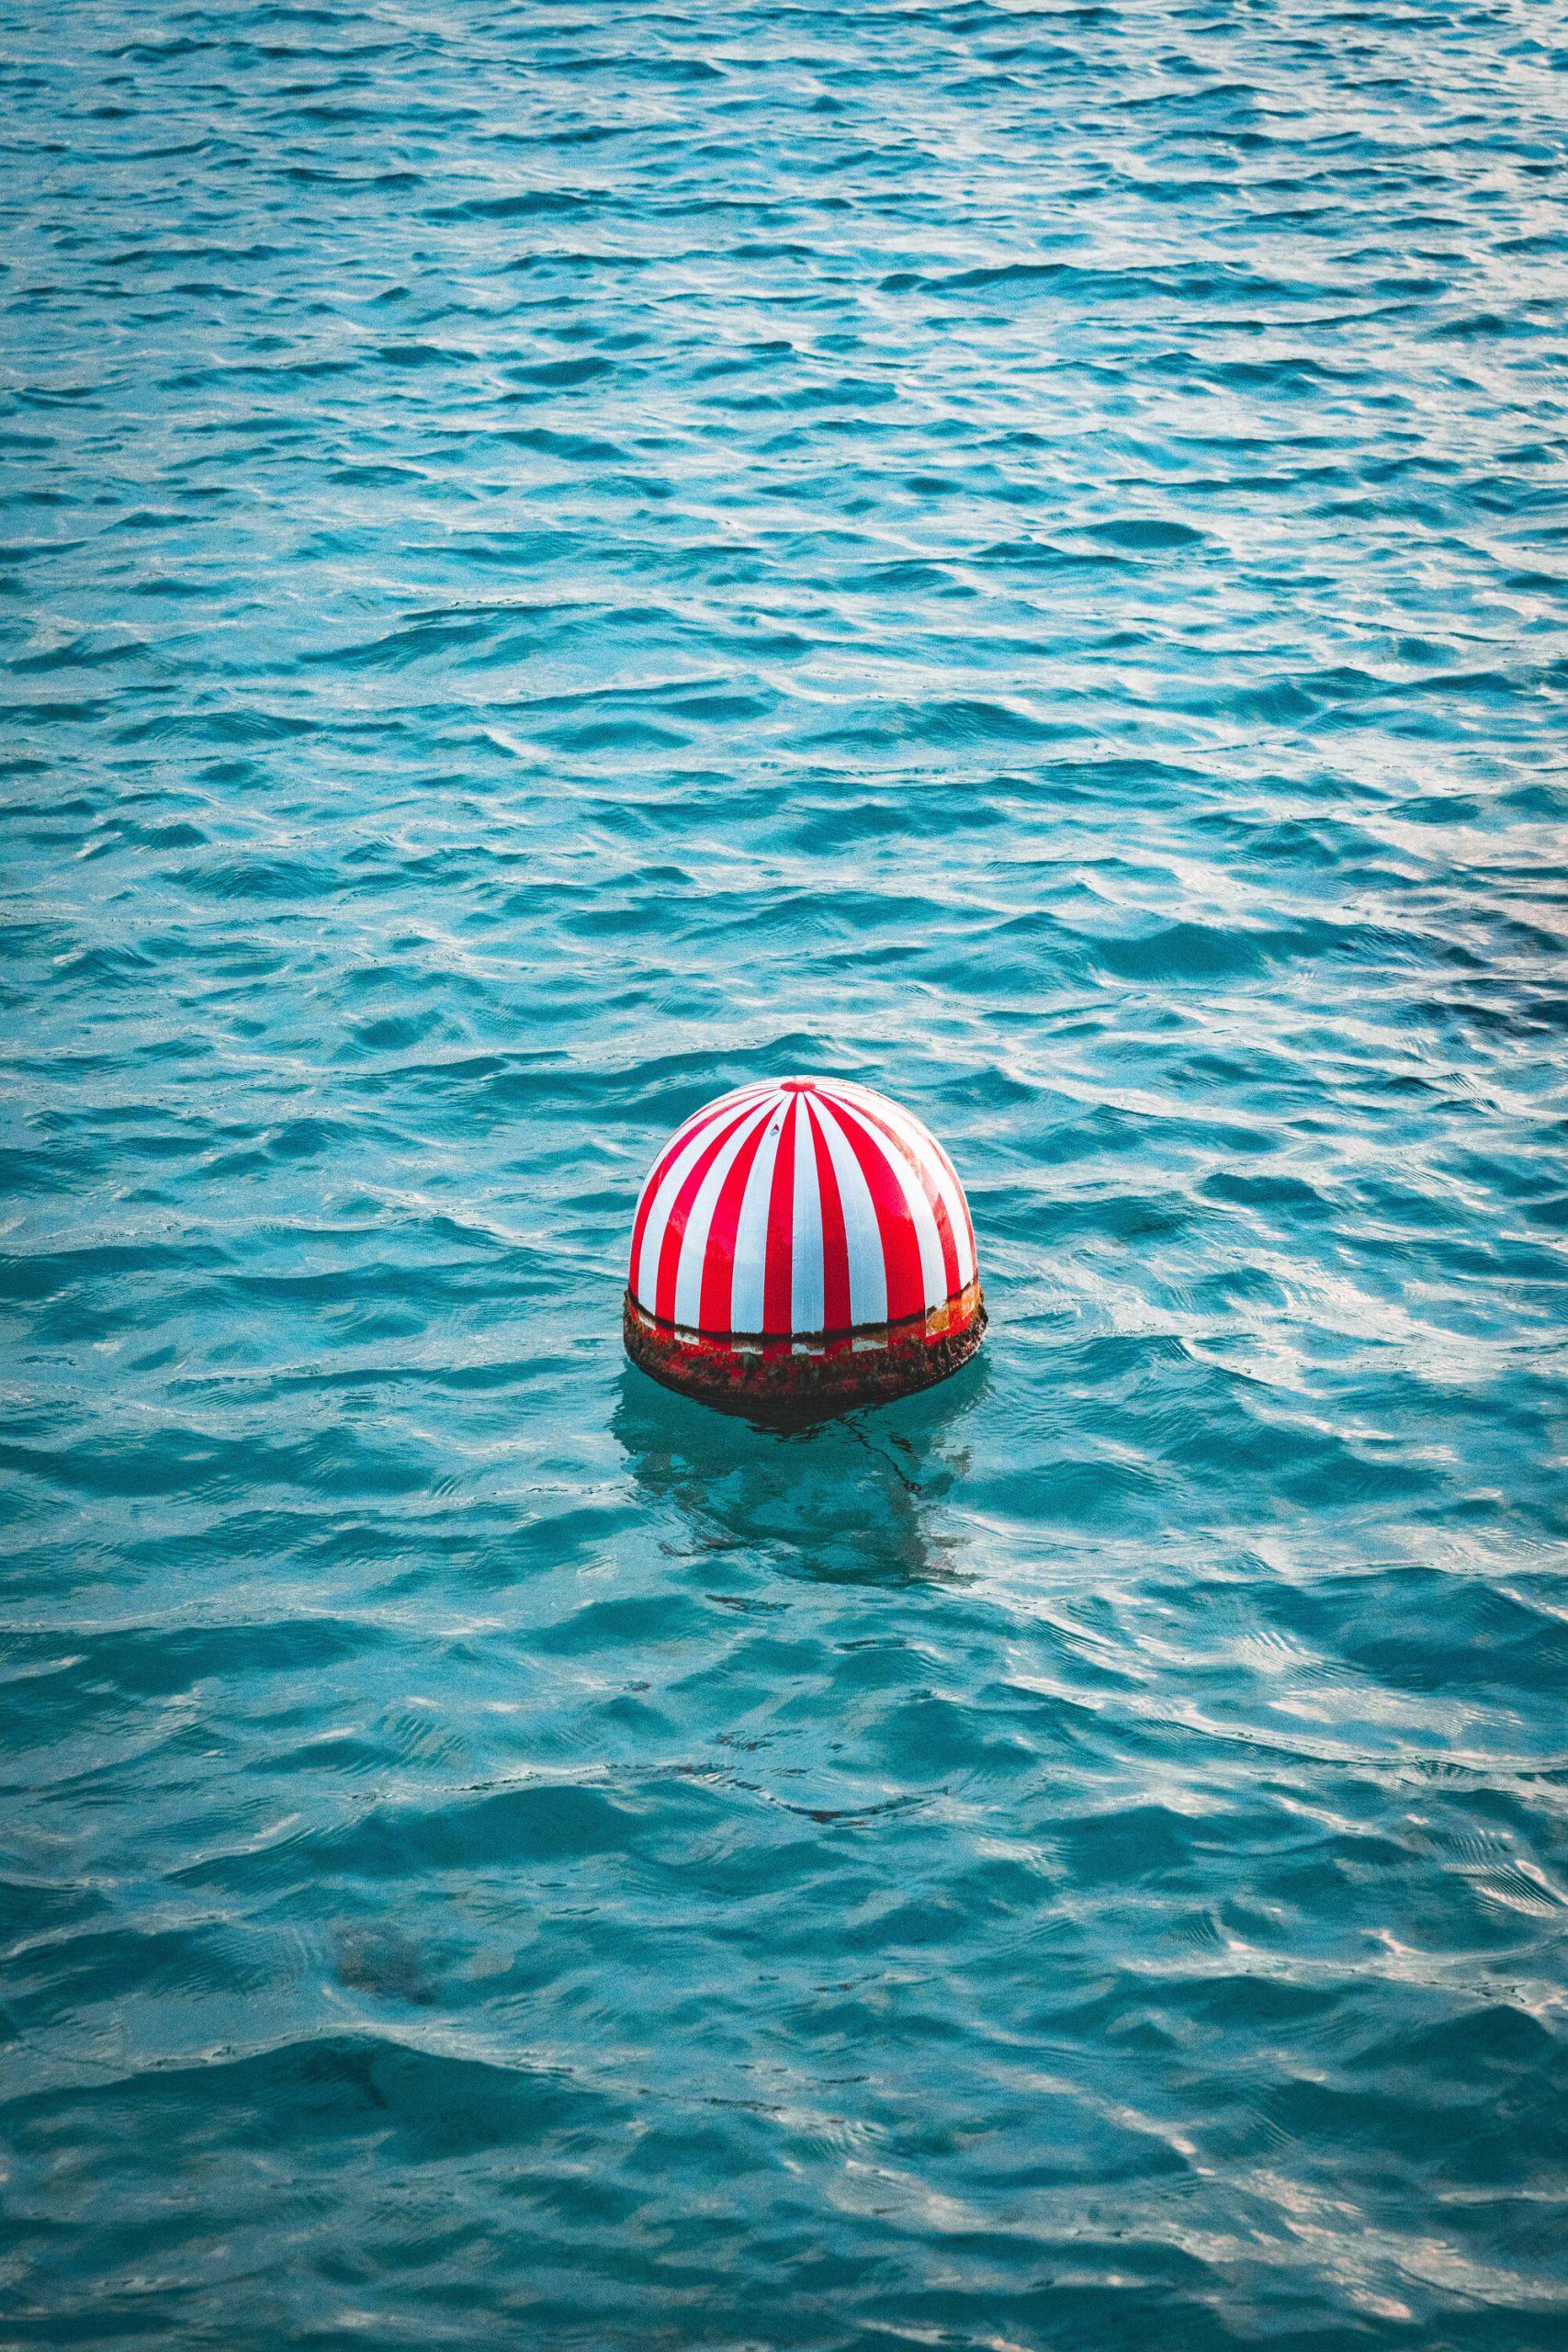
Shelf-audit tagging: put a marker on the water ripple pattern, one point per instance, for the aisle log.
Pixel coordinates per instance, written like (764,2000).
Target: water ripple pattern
(559,559)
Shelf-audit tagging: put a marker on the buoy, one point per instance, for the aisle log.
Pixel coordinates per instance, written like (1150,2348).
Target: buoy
(801,1246)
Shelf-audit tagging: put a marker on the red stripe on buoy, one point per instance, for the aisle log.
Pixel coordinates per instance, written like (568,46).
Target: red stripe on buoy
(894,1219)
(779,1274)
(836,1315)
(714,1313)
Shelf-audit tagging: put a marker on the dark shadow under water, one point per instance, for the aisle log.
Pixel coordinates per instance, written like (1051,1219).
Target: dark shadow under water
(850,1500)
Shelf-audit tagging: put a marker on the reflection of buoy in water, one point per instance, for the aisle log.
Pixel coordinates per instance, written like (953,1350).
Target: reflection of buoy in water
(802,1246)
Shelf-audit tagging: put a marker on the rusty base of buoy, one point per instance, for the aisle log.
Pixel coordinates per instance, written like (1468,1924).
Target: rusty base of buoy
(797,1380)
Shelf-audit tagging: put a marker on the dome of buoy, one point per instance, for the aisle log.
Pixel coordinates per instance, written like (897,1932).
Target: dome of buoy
(800,1246)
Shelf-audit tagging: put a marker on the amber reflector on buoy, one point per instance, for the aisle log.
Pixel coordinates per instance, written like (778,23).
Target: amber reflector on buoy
(802,1246)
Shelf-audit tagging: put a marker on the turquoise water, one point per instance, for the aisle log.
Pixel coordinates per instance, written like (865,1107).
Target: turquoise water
(558,560)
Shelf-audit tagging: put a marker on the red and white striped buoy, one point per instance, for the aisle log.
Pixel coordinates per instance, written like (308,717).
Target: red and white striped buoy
(802,1245)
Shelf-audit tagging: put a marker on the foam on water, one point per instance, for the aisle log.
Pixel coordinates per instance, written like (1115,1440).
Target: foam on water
(559,559)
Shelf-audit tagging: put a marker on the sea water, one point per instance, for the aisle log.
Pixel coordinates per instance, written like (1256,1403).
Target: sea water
(558,560)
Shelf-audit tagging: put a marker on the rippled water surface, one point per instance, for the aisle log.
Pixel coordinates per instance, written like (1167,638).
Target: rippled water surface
(560,558)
